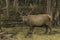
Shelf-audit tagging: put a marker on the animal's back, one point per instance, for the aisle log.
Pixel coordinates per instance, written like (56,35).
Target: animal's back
(38,19)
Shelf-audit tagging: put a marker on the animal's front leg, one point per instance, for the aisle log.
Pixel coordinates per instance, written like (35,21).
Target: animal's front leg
(30,32)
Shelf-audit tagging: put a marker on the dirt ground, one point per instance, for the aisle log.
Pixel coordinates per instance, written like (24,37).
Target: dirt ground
(20,32)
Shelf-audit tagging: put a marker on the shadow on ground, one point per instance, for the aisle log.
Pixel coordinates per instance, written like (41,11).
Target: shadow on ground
(40,31)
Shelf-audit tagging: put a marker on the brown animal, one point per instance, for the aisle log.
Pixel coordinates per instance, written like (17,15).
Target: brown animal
(38,20)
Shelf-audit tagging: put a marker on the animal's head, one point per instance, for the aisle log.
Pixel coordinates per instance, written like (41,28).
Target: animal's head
(24,19)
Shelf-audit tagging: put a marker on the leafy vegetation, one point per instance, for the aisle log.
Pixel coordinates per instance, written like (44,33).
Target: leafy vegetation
(20,33)
(12,10)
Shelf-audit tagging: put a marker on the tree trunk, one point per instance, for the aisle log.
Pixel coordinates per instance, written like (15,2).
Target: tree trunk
(53,7)
(7,8)
(49,6)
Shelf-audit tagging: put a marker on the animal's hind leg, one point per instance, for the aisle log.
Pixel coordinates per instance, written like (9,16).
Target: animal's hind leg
(46,28)
(50,29)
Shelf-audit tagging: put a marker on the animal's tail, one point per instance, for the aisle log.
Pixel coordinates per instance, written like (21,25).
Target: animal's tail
(50,19)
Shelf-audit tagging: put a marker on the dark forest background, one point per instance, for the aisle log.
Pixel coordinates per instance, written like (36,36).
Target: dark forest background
(11,10)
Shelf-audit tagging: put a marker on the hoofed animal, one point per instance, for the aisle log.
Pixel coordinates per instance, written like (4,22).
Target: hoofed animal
(38,20)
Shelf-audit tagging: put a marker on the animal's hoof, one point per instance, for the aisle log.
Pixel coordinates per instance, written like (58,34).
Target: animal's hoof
(28,35)
(46,33)
(50,33)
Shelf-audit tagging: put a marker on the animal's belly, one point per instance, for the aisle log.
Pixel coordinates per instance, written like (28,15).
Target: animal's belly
(37,23)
